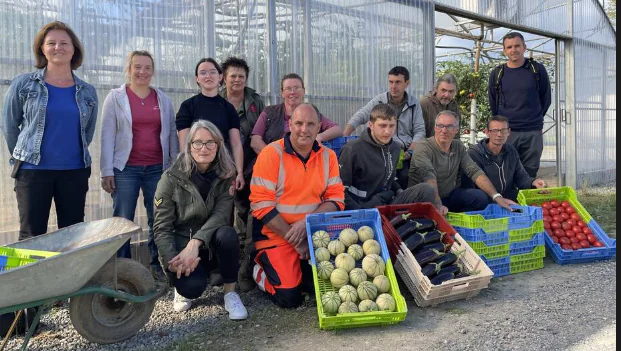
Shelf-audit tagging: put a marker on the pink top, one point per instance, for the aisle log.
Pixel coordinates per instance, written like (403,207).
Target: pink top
(259,127)
(146,130)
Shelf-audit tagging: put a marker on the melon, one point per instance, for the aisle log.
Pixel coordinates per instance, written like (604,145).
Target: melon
(336,247)
(367,291)
(367,306)
(371,247)
(382,283)
(348,237)
(325,269)
(321,238)
(345,261)
(339,278)
(322,254)
(365,233)
(357,276)
(348,293)
(330,302)
(355,251)
(373,265)
(348,307)
(385,302)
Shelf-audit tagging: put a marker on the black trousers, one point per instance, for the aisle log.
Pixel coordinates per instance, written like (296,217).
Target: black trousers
(35,190)
(529,146)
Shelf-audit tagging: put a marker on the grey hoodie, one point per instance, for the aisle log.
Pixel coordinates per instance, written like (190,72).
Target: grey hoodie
(410,123)
(368,172)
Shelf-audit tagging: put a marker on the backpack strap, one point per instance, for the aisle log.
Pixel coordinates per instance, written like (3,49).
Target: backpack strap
(533,68)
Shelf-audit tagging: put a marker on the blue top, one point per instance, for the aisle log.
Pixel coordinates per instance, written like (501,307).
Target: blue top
(519,100)
(61,147)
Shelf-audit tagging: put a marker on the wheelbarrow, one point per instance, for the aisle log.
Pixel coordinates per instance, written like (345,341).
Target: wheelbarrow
(110,298)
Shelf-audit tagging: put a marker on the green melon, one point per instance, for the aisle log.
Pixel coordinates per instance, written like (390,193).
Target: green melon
(356,276)
(348,307)
(382,283)
(371,247)
(367,306)
(373,265)
(367,291)
(330,302)
(348,293)
(325,269)
(322,254)
(385,302)
(339,278)
(355,251)
(345,261)
(321,238)
(336,247)
(365,233)
(348,237)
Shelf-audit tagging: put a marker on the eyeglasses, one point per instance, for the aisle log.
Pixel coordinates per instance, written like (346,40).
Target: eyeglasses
(213,72)
(197,144)
(501,131)
(448,127)
(292,89)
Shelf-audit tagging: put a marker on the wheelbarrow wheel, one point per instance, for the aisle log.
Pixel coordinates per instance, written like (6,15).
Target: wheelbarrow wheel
(105,320)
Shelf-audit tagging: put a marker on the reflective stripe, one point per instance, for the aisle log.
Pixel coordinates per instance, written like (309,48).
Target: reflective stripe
(258,181)
(280,185)
(326,166)
(261,205)
(360,193)
(336,199)
(334,181)
(297,209)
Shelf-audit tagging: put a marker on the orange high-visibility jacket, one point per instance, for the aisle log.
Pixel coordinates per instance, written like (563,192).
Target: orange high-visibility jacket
(283,185)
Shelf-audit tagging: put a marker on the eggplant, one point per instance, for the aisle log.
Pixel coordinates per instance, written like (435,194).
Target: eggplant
(428,256)
(462,275)
(441,278)
(407,229)
(415,240)
(440,246)
(426,225)
(456,269)
(433,268)
(399,220)
(449,259)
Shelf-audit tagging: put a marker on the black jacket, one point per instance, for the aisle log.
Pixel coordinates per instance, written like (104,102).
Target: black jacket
(505,171)
(368,172)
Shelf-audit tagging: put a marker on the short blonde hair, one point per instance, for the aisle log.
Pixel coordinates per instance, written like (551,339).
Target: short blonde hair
(131,56)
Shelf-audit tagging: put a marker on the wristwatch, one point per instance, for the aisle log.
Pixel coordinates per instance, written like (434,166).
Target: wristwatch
(497,195)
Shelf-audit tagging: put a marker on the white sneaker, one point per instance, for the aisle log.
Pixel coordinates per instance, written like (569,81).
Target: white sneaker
(234,306)
(180,303)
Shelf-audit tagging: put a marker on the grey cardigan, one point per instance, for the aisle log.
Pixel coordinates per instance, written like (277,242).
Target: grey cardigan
(116,131)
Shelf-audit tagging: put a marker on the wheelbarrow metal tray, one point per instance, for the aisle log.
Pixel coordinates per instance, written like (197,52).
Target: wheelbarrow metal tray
(84,248)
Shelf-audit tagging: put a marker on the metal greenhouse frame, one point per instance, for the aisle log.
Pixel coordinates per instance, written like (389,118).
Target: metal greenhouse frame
(342,48)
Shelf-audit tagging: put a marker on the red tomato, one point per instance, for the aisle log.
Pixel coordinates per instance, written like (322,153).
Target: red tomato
(546,205)
(566,247)
(564,241)
(576,229)
(566,226)
(591,238)
(560,209)
(570,233)
(547,218)
(580,223)
(557,218)
(598,244)
(555,203)
(570,210)
(587,230)
(555,225)
(565,204)
(554,239)
(574,240)
(576,246)
(559,233)
(546,225)
(581,236)
(585,244)
(545,211)
(571,221)
(554,212)
(575,217)
(565,216)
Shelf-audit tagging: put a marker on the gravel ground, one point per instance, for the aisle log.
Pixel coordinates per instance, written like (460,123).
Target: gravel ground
(557,308)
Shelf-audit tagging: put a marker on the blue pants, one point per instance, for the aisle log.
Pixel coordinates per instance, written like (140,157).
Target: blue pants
(128,183)
(463,200)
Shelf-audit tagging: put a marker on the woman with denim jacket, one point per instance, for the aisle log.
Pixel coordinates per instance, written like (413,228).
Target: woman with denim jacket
(138,142)
(48,121)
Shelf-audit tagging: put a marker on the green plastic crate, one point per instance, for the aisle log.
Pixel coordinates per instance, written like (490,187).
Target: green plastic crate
(360,319)
(538,252)
(564,193)
(525,266)
(25,253)
(490,252)
(477,222)
(7,263)
(517,235)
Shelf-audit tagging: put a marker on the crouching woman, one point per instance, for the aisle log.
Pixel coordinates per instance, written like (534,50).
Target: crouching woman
(193,207)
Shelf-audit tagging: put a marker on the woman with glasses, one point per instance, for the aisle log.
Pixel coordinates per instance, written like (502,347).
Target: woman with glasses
(193,207)
(273,122)
(138,142)
(209,105)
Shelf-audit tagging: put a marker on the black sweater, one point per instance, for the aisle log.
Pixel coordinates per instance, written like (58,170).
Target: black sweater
(214,109)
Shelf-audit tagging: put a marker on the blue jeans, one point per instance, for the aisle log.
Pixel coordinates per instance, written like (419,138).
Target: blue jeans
(128,183)
(464,200)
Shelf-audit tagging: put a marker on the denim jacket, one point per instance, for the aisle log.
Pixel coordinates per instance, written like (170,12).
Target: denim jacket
(23,115)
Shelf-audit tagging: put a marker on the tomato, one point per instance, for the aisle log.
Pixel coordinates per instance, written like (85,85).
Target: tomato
(557,218)
(555,225)
(573,239)
(598,244)
(545,211)
(570,210)
(576,229)
(591,238)
(554,212)
(559,233)
(565,204)
(576,246)
(546,225)
(565,216)
(560,209)
(585,244)
(566,247)
(547,218)
(587,230)
(581,236)
(581,224)
(564,241)
(575,217)
(546,205)
(555,203)
(554,239)
(566,226)
(570,233)
(571,221)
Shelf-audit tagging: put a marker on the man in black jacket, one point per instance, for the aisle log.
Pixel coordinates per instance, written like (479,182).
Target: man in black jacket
(500,161)
(368,166)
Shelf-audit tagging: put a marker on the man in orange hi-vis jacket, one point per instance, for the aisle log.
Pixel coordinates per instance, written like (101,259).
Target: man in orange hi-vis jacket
(292,177)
